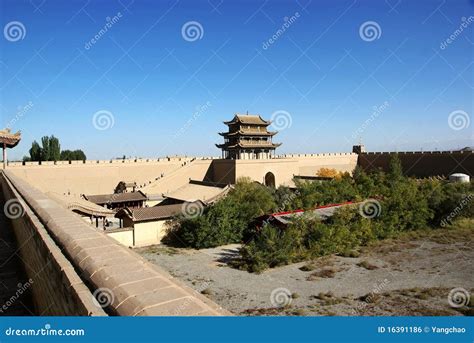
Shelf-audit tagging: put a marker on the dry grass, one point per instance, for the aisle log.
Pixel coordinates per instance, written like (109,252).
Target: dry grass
(367,265)
(324,261)
(327,299)
(323,273)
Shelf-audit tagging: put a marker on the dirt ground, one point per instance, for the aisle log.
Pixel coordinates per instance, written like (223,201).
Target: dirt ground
(422,273)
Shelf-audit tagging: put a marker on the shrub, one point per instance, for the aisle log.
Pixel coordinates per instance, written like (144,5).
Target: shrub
(226,220)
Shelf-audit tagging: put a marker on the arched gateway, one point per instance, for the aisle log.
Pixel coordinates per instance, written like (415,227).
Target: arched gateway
(270,179)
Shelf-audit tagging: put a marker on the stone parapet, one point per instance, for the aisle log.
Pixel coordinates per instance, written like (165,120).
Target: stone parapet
(124,281)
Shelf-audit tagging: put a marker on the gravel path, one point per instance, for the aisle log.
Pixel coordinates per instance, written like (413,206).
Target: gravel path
(407,273)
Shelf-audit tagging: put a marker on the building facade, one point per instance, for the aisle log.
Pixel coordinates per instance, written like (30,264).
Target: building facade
(248,138)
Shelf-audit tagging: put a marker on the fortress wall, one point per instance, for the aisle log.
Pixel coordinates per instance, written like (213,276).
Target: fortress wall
(422,164)
(63,254)
(93,178)
(114,161)
(56,287)
(310,165)
(228,171)
(195,170)
(283,169)
(221,171)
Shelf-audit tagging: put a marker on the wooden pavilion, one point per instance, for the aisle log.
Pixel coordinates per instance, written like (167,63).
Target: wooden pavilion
(8,140)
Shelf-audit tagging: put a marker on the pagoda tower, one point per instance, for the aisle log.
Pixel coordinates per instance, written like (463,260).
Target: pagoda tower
(8,140)
(248,138)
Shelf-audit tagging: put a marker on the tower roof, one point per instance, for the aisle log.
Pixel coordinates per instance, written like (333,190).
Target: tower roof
(251,119)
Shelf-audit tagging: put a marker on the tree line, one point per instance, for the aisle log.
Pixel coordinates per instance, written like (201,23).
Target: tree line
(50,150)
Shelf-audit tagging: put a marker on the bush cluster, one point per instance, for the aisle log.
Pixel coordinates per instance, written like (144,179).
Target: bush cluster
(226,220)
(405,204)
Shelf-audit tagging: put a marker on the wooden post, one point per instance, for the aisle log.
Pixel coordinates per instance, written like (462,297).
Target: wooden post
(4,155)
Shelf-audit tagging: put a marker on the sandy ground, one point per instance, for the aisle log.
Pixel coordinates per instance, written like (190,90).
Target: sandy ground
(408,276)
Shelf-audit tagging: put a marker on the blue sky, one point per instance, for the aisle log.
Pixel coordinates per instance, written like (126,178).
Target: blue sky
(167,93)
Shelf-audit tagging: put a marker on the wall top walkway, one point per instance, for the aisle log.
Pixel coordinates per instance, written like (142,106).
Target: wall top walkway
(109,162)
(131,285)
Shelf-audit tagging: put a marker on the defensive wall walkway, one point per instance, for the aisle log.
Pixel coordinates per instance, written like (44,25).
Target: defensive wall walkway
(77,270)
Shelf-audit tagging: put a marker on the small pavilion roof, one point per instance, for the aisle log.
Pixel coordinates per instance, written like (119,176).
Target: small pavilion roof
(250,119)
(158,212)
(80,205)
(116,198)
(10,139)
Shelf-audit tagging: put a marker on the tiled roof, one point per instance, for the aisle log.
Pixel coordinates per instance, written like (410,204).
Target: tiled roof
(254,146)
(11,139)
(153,213)
(248,119)
(80,205)
(248,133)
(193,192)
(116,198)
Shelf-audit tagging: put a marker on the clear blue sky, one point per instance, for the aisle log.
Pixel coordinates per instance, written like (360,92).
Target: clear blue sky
(319,70)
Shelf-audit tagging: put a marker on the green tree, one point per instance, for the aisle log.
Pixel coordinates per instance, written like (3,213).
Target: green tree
(35,152)
(45,150)
(54,149)
(395,168)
